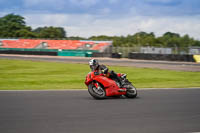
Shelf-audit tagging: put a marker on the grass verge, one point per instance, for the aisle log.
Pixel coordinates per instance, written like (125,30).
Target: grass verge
(41,75)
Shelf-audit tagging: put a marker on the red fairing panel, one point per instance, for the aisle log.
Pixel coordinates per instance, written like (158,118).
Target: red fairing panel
(88,79)
(114,92)
(111,87)
(106,82)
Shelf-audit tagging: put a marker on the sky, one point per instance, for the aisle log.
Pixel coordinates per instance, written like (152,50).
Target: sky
(87,18)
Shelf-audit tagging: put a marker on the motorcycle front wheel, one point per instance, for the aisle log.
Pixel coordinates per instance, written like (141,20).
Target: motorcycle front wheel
(97,93)
(131,91)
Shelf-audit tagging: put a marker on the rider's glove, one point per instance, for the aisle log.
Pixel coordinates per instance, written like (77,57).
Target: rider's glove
(105,71)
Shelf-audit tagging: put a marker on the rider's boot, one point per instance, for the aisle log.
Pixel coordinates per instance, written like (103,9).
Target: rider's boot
(120,81)
(115,77)
(123,76)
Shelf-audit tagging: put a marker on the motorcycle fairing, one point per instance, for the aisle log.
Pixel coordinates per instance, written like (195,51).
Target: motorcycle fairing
(106,82)
(110,85)
(88,79)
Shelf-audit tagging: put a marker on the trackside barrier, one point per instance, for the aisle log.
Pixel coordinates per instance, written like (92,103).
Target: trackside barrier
(111,55)
(28,49)
(80,53)
(29,52)
(51,52)
(196,58)
(54,52)
(166,57)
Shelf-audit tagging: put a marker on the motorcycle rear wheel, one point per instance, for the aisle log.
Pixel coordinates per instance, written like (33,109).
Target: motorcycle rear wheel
(97,93)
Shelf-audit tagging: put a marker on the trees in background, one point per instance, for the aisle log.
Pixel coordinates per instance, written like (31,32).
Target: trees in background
(14,26)
(50,32)
(168,39)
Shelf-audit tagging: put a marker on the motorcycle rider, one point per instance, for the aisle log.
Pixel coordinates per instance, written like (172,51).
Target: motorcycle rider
(102,69)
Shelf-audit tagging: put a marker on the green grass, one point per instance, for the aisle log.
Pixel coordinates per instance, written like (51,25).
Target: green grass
(35,75)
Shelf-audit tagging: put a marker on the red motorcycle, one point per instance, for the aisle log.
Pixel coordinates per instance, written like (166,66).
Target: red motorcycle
(101,87)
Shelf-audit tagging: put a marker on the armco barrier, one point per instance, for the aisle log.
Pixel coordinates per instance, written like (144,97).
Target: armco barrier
(166,57)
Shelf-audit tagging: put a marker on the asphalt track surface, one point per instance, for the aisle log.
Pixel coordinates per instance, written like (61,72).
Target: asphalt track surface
(154,111)
(170,65)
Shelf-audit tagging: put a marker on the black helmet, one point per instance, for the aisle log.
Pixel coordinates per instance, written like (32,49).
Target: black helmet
(93,64)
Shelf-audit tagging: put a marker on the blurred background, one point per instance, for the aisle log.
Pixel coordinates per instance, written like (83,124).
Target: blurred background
(133,29)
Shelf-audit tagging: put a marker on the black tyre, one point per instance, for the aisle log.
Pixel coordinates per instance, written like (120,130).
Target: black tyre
(131,91)
(97,93)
